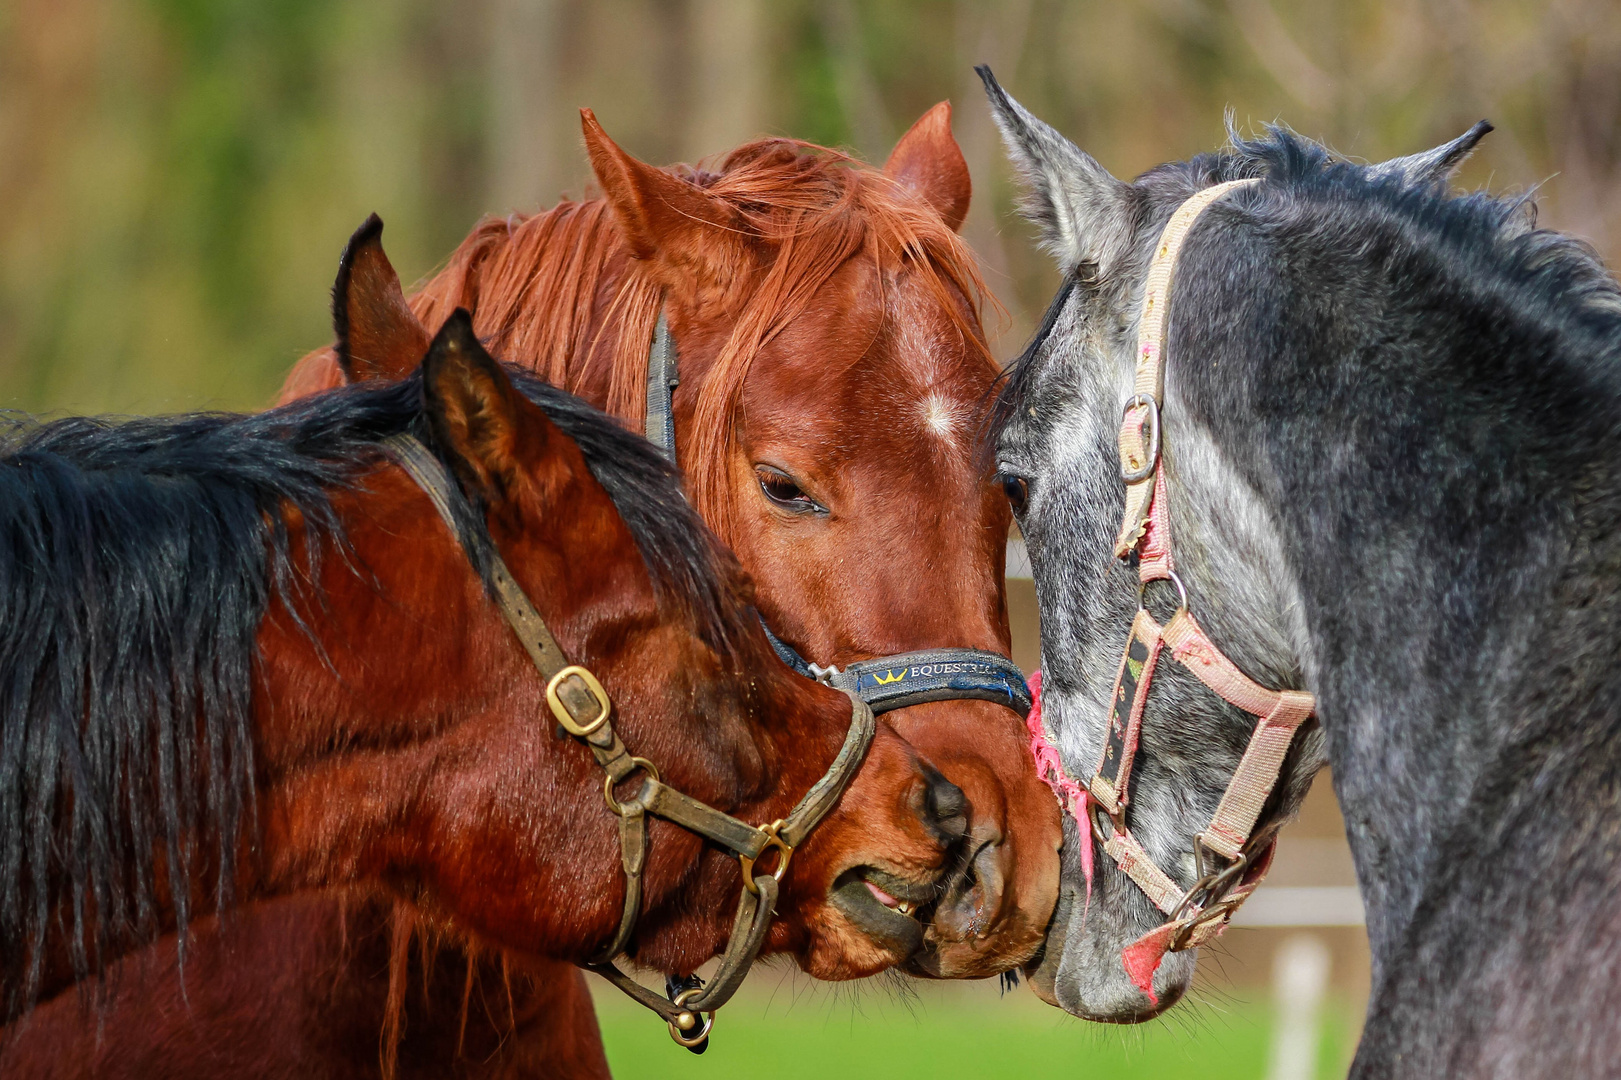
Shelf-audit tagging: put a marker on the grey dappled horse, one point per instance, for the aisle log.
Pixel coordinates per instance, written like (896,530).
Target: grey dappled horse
(1392,439)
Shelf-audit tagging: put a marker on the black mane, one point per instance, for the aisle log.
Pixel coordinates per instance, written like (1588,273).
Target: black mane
(137,559)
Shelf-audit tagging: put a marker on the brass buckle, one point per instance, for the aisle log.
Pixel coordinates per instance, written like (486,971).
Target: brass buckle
(681,1027)
(608,782)
(560,710)
(773,840)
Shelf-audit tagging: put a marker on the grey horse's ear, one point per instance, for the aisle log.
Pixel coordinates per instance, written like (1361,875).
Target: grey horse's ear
(1084,213)
(1434,166)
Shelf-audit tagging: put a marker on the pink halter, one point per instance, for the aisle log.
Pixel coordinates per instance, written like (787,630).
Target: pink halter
(1199,914)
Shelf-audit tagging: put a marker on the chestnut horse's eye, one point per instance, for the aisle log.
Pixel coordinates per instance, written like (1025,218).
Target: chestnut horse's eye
(1017,490)
(781,489)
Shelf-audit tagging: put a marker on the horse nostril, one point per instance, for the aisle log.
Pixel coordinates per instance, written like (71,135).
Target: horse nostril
(945,807)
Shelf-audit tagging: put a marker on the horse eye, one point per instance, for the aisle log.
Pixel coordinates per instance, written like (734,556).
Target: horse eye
(780,488)
(1017,490)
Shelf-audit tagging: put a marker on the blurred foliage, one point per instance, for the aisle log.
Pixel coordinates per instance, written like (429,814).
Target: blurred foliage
(178,176)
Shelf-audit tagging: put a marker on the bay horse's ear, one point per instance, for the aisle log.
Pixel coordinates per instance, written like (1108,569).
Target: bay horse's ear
(660,214)
(478,418)
(1084,214)
(1435,166)
(928,161)
(377,335)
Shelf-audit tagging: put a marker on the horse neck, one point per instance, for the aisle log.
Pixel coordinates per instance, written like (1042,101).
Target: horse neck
(1447,501)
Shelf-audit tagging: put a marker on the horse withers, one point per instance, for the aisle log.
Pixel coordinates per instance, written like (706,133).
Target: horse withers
(1388,437)
(251,656)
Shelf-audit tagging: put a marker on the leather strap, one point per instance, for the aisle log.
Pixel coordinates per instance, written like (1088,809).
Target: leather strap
(756,905)
(662,379)
(515,607)
(895,682)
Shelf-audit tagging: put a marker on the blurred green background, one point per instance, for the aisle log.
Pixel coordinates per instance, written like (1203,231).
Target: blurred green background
(177,177)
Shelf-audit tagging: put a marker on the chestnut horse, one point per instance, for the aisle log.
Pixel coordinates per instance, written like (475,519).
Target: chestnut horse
(832,369)
(250,650)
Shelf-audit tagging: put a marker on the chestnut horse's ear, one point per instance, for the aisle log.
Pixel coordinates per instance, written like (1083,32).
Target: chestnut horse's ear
(660,214)
(929,162)
(478,418)
(377,335)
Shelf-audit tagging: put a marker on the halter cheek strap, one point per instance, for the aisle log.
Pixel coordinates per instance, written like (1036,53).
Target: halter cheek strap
(1230,859)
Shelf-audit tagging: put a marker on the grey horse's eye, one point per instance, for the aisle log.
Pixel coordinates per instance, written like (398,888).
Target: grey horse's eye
(1017,490)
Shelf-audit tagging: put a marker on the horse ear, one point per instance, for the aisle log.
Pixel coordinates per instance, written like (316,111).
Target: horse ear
(660,215)
(478,418)
(1434,166)
(377,335)
(1084,213)
(928,161)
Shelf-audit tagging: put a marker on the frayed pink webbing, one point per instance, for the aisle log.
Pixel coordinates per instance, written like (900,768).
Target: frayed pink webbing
(1142,957)
(1072,797)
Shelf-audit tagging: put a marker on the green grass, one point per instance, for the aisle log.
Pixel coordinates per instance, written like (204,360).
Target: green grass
(784,1027)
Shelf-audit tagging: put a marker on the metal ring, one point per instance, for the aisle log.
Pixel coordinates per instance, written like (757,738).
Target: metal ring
(608,782)
(1094,808)
(1170,575)
(561,711)
(681,1036)
(773,840)
(1133,476)
(1215,884)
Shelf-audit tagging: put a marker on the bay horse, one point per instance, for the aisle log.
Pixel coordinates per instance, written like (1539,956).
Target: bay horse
(1387,439)
(245,657)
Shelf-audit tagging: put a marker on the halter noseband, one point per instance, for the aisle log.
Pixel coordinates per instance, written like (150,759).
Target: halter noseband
(581,706)
(885,682)
(1229,860)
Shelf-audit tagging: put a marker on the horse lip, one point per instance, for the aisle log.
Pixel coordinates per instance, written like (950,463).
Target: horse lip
(900,888)
(902,934)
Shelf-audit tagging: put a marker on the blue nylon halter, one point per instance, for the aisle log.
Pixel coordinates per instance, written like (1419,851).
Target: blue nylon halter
(885,682)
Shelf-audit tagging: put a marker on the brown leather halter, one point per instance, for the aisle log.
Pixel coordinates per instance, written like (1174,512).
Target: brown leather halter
(579,703)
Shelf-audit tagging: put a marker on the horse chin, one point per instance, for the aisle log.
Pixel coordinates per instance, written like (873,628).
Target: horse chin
(1079,969)
(869,923)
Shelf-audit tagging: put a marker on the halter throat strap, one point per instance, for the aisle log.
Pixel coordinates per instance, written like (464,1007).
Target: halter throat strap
(581,707)
(885,682)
